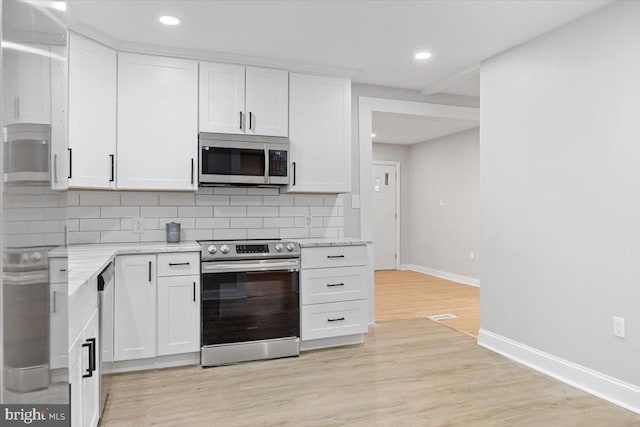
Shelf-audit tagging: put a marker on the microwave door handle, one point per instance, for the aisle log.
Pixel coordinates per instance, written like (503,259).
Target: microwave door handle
(55,168)
(266,165)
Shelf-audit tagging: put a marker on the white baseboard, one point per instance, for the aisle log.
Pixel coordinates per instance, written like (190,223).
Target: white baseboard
(442,274)
(603,386)
(159,362)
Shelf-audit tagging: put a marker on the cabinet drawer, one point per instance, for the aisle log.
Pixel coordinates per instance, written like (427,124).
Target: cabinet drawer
(333,319)
(58,270)
(334,256)
(179,264)
(332,284)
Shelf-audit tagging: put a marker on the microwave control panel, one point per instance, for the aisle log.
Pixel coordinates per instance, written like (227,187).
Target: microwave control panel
(277,163)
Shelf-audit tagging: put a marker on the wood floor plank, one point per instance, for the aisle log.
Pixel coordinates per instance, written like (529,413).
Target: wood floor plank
(408,373)
(409,294)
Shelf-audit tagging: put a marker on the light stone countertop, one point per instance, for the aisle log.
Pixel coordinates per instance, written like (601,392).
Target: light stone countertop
(330,241)
(87,261)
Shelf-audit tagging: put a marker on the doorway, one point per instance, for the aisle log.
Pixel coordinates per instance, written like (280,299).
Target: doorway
(386,212)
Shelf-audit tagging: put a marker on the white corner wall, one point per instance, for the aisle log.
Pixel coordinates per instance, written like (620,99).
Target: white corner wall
(443,237)
(560,191)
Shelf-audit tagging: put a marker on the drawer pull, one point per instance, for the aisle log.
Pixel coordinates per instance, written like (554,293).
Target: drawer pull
(335,256)
(62,270)
(337,319)
(330,285)
(175,264)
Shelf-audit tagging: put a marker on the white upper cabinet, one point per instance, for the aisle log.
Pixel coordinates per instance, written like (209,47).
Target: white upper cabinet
(92,114)
(221,98)
(157,123)
(237,100)
(320,134)
(26,87)
(267,102)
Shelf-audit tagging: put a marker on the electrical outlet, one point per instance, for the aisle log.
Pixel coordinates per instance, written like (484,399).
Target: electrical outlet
(618,327)
(441,203)
(472,255)
(307,221)
(138,225)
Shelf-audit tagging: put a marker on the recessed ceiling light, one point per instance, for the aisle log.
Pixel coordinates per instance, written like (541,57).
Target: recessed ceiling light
(373,135)
(422,55)
(59,5)
(169,20)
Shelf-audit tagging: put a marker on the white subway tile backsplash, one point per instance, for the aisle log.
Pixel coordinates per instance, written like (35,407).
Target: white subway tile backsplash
(278,223)
(99,198)
(212,200)
(159,211)
(213,212)
(262,233)
(246,222)
(230,234)
(233,211)
(211,223)
(294,211)
(294,233)
(15,227)
(118,236)
(178,199)
(53,214)
(119,211)
(73,198)
(103,224)
(246,201)
(282,200)
(308,200)
(139,198)
(262,211)
(195,211)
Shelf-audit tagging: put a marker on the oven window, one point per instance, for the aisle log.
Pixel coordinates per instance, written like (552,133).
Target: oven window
(232,161)
(239,307)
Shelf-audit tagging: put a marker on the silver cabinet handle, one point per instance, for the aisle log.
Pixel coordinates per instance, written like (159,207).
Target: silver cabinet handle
(54,301)
(16,107)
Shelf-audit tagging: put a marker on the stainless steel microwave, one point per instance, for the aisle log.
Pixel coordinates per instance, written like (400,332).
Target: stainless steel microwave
(243,159)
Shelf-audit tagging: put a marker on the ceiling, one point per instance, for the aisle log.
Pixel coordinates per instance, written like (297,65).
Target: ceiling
(391,128)
(376,38)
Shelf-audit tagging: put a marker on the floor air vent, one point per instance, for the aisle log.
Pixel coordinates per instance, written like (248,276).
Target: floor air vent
(439,317)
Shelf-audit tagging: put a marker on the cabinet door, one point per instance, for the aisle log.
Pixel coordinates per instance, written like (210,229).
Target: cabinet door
(92,113)
(267,106)
(135,307)
(178,314)
(76,355)
(157,123)
(91,382)
(59,119)
(222,98)
(320,134)
(26,86)
(58,326)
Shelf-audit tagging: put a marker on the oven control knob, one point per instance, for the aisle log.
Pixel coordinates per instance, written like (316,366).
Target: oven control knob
(224,249)
(290,247)
(279,247)
(212,249)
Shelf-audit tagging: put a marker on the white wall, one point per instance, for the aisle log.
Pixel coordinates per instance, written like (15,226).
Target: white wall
(442,237)
(399,153)
(352,216)
(560,189)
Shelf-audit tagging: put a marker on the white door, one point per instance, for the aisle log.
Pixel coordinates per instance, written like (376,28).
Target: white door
(77,363)
(92,113)
(385,216)
(135,307)
(157,123)
(221,98)
(91,385)
(267,102)
(319,134)
(59,118)
(178,314)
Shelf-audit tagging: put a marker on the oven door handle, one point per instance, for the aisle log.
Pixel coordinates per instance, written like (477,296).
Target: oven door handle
(243,266)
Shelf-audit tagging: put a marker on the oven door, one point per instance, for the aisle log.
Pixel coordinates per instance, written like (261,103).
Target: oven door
(246,301)
(233,162)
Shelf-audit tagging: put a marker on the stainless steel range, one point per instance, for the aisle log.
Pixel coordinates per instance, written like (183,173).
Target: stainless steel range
(250,300)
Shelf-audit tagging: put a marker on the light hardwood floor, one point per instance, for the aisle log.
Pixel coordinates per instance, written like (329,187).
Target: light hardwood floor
(408,294)
(408,373)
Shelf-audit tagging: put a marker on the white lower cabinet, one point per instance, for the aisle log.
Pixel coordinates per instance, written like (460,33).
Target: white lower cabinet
(84,375)
(333,294)
(135,307)
(178,314)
